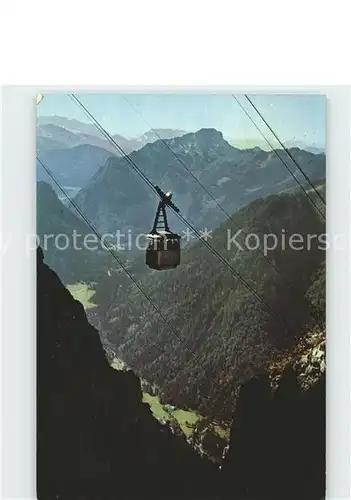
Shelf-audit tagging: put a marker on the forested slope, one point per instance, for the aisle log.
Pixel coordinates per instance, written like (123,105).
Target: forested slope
(233,328)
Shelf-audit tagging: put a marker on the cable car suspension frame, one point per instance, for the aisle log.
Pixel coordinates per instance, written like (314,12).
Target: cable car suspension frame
(163,251)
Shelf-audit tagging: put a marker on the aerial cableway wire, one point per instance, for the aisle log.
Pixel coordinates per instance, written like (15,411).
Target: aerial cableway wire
(286,149)
(132,163)
(122,265)
(314,314)
(279,156)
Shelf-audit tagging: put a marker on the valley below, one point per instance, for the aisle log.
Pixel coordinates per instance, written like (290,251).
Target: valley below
(196,428)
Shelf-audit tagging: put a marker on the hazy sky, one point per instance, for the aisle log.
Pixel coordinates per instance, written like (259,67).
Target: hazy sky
(293,117)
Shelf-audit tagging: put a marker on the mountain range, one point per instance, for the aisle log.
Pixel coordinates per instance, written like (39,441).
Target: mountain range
(54,132)
(74,150)
(72,167)
(116,198)
(88,132)
(262,144)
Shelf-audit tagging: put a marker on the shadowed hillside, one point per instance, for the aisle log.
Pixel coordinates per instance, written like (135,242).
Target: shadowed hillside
(231,331)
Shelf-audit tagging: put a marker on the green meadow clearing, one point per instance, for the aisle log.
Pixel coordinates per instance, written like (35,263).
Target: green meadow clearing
(164,412)
(83,293)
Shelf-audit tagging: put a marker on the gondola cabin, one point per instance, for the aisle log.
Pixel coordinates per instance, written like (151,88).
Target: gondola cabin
(163,250)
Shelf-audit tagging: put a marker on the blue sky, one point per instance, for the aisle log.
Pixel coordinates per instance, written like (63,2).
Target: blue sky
(293,117)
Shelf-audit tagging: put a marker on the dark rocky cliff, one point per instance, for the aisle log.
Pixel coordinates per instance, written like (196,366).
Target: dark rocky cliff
(96,438)
(277,444)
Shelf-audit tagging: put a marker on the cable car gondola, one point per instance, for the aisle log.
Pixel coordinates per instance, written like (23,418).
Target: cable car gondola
(163,251)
